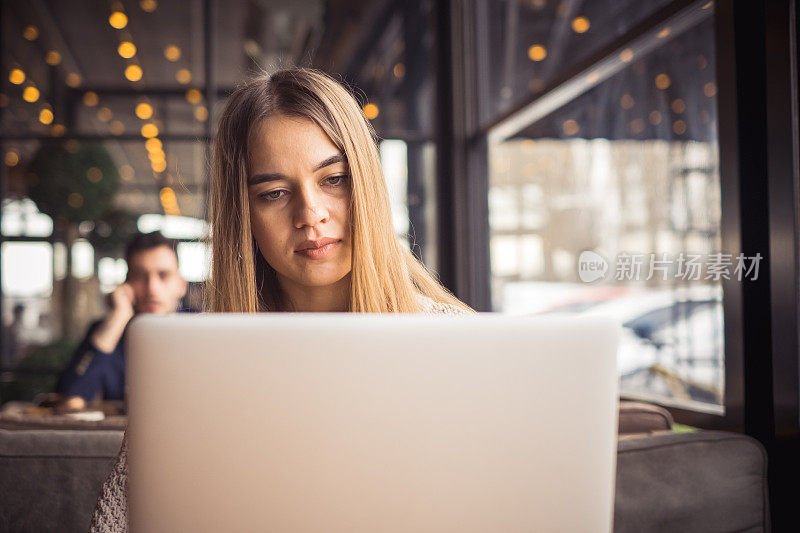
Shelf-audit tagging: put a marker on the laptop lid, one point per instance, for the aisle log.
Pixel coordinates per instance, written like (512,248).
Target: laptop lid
(343,422)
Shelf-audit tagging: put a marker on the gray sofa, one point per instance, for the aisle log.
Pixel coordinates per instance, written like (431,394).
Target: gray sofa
(50,479)
(666,482)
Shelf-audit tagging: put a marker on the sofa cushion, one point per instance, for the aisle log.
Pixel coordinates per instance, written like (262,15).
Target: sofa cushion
(709,481)
(50,479)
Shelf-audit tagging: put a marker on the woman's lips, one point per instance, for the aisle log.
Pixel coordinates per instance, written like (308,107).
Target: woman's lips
(318,253)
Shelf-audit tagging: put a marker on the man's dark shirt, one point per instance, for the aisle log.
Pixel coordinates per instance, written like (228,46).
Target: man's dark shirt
(93,370)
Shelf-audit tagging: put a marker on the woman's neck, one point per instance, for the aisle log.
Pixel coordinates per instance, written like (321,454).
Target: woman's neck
(326,299)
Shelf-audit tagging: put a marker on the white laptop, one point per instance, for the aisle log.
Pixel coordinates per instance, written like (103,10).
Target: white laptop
(371,423)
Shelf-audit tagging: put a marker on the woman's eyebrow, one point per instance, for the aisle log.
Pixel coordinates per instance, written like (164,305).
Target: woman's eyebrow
(275,176)
(261,178)
(338,158)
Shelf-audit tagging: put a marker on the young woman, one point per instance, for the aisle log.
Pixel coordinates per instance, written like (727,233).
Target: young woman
(300,220)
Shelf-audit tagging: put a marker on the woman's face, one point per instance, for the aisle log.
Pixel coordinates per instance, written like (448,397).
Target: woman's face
(299,193)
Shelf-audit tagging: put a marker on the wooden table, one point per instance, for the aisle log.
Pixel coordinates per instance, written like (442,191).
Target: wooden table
(25,415)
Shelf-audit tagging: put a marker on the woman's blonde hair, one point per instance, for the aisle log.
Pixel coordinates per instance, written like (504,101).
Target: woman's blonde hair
(385,276)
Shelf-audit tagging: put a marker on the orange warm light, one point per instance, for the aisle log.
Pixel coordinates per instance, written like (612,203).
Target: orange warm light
(118,20)
(90,98)
(144,110)
(52,58)
(133,72)
(30,94)
(371,111)
(126,49)
(16,76)
(580,24)
(172,53)
(149,130)
(46,116)
(537,52)
(73,79)
(153,145)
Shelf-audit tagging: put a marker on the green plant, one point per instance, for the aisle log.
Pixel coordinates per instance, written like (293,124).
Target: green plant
(38,371)
(72,181)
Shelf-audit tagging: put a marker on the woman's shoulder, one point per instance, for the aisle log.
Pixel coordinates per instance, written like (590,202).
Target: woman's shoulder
(430,306)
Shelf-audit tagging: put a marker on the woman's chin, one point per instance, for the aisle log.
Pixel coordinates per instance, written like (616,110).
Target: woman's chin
(319,279)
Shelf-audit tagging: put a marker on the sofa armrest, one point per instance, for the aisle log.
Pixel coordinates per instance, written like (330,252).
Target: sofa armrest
(709,481)
(639,417)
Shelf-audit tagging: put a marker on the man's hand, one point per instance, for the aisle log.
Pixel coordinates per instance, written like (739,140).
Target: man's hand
(106,337)
(122,302)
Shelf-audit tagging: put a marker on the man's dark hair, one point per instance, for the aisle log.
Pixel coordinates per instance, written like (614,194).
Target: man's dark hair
(148,241)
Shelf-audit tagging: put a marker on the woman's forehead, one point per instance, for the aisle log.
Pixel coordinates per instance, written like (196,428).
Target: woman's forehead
(281,139)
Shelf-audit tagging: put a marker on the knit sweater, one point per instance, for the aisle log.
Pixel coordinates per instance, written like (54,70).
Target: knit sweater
(111,510)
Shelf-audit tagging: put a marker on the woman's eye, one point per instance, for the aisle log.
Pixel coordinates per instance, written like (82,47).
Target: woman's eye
(277,194)
(336,181)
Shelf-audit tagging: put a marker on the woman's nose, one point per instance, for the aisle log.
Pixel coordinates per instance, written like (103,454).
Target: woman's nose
(311,211)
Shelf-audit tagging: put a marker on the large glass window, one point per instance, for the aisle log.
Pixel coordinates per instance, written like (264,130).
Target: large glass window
(607,202)
(531,44)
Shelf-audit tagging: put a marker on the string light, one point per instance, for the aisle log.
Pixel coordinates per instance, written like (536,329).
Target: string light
(193,96)
(627,101)
(52,58)
(126,172)
(570,127)
(172,53)
(201,113)
(183,76)
(626,55)
(580,24)
(31,33)
(663,81)
(118,20)
(104,114)
(90,98)
(133,72)
(75,200)
(126,49)
(537,52)
(30,94)
(148,5)
(371,111)
(655,118)
(159,166)
(46,116)
(73,79)
(94,174)
(153,144)
(149,130)
(144,110)
(116,127)
(16,76)
(12,158)
(168,201)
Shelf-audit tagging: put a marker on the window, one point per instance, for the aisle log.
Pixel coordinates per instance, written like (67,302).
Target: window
(617,169)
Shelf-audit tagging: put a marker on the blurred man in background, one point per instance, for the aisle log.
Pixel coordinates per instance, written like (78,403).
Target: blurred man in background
(153,285)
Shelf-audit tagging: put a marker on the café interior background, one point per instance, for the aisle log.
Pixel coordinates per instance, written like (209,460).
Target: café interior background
(107,110)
